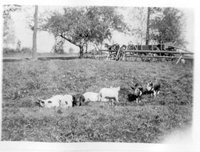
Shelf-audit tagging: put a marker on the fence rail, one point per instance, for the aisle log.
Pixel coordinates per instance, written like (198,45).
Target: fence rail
(159,54)
(166,57)
(150,51)
(127,54)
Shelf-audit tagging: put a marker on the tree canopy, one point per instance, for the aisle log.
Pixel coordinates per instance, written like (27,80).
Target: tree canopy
(8,29)
(168,26)
(81,25)
(7,9)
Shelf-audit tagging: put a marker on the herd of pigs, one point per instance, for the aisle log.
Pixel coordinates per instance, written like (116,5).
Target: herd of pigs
(109,95)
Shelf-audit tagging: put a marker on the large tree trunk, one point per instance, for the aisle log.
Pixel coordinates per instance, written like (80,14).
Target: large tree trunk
(58,46)
(86,47)
(34,49)
(147,31)
(79,45)
(81,51)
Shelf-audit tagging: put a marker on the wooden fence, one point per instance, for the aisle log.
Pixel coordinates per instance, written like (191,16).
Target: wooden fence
(149,54)
(116,55)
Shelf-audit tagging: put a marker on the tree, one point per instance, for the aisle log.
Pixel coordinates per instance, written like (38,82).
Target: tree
(8,29)
(168,26)
(8,9)
(82,25)
(58,46)
(148,19)
(34,48)
(8,32)
(138,24)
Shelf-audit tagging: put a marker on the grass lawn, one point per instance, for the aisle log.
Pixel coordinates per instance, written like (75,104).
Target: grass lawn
(147,122)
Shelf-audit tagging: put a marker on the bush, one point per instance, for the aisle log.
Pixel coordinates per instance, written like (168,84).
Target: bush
(9,51)
(26,50)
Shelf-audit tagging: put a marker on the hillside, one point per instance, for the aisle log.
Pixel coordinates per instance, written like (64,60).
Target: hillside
(147,122)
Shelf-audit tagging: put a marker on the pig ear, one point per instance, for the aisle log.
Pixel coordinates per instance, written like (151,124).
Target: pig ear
(140,93)
(37,101)
(136,84)
(150,82)
(83,99)
(40,101)
(73,97)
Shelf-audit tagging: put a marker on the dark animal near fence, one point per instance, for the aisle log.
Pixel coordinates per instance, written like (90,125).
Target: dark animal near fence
(113,50)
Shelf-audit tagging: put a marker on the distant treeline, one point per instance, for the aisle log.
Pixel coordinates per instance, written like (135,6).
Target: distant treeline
(24,50)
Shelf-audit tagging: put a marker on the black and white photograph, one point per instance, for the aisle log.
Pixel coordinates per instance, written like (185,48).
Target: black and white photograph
(96,73)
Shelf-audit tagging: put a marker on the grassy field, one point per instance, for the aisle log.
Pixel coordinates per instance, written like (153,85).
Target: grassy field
(147,122)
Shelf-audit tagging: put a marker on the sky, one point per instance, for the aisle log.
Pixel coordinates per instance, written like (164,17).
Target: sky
(46,40)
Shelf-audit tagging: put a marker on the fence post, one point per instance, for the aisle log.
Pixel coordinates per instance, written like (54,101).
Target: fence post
(179,59)
(34,49)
